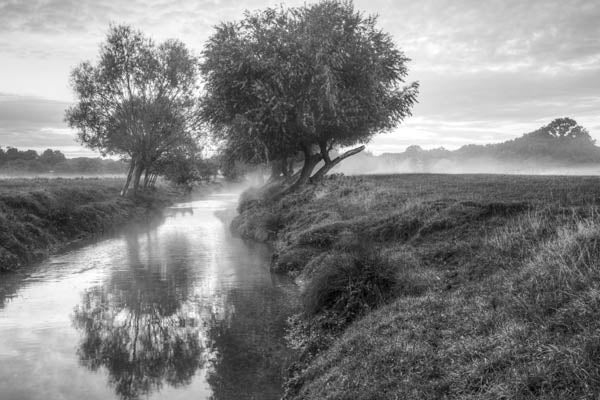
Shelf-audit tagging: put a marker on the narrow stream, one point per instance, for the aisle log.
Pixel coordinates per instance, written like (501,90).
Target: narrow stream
(178,310)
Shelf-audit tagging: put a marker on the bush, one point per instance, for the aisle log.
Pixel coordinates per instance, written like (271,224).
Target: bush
(349,284)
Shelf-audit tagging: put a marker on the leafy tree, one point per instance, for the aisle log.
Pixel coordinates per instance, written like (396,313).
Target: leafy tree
(138,101)
(52,157)
(13,154)
(566,128)
(238,158)
(304,80)
(183,165)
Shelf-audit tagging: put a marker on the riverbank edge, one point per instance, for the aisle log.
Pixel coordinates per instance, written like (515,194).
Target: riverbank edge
(41,222)
(275,223)
(491,297)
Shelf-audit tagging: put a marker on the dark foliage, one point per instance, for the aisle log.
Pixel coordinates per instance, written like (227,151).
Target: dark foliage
(21,162)
(284,81)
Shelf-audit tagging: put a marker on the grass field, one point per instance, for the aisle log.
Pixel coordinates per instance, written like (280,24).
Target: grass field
(440,286)
(40,216)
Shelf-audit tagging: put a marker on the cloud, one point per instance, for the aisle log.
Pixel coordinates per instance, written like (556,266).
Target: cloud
(489,70)
(37,111)
(495,35)
(488,94)
(29,122)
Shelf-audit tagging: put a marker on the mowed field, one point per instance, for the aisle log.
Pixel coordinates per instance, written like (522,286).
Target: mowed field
(440,286)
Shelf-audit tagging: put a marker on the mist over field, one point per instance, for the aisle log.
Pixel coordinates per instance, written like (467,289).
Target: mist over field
(60,176)
(559,148)
(368,164)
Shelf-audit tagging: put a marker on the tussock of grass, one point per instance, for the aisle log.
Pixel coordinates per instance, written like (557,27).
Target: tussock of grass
(565,268)
(349,284)
(495,293)
(292,259)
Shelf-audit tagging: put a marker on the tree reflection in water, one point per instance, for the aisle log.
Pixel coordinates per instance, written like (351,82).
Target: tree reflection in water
(249,357)
(139,325)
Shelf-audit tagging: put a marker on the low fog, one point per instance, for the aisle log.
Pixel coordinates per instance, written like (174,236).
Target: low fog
(367,164)
(32,175)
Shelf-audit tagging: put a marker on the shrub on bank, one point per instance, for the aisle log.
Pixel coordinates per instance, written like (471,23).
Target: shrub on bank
(349,284)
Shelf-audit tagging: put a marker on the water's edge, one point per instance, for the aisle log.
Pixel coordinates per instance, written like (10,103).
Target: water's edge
(169,310)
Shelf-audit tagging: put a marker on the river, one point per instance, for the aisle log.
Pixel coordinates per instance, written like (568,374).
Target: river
(178,309)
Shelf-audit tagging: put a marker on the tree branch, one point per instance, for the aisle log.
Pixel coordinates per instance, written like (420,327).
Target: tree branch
(329,165)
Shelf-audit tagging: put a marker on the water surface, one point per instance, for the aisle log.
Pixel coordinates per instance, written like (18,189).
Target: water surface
(177,310)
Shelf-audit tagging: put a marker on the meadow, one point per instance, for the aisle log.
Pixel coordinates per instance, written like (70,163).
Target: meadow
(39,216)
(439,286)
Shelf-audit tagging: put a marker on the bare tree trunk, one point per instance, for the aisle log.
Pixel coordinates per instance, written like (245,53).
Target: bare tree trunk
(310,162)
(153,179)
(136,177)
(329,164)
(128,180)
(147,178)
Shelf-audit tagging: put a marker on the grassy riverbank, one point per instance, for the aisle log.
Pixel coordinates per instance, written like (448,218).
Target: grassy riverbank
(41,216)
(440,286)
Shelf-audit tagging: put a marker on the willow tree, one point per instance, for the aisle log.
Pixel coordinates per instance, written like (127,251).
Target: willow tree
(138,101)
(305,80)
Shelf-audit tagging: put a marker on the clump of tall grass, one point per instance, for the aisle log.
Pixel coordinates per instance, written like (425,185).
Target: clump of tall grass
(565,270)
(349,284)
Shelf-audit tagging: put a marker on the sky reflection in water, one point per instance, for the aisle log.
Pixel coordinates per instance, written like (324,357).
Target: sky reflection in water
(173,311)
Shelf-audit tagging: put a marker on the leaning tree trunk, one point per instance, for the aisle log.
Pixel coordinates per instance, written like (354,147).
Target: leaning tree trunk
(125,189)
(147,176)
(310,162)
(137,176)
(153,179)
(329,164)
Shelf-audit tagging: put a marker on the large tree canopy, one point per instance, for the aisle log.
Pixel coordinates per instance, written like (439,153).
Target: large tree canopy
(308,79)
(139,100)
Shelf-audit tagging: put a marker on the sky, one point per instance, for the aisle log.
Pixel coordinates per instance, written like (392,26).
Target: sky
(488,70)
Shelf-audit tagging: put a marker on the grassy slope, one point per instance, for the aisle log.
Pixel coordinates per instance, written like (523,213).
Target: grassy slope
(496,291)
(39,216)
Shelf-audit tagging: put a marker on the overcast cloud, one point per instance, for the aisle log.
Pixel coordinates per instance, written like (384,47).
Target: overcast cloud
(489,70)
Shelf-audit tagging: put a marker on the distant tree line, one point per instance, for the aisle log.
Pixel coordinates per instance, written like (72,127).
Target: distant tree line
(561,142)
(15,161)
